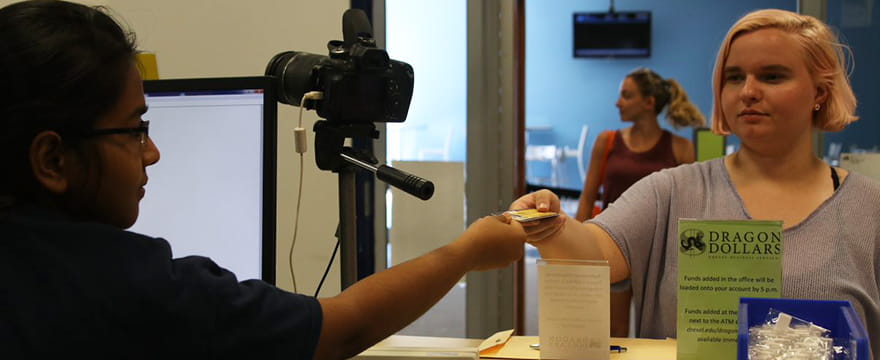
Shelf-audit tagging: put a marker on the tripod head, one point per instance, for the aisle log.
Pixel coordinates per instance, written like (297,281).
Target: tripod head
(331,155)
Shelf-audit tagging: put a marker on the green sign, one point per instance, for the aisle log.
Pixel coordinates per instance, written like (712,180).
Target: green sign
(719,262)
(709,146)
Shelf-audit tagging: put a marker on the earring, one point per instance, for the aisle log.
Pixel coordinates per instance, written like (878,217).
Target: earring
(817,107)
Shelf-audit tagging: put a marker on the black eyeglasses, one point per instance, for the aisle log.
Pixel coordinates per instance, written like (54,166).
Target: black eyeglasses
(142,131)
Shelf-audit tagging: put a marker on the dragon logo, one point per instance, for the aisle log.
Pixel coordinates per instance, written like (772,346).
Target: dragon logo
(691,242)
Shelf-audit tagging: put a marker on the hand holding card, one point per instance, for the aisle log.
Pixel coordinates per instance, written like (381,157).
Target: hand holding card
(537,224)
(549,221)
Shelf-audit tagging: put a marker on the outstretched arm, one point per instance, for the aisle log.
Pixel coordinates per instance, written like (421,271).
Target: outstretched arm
(566,238)
(380,305)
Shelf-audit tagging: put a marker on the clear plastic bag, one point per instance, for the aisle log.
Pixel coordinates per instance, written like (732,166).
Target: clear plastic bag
(785,337)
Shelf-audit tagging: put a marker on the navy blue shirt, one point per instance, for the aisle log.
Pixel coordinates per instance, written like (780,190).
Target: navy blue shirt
(73,288)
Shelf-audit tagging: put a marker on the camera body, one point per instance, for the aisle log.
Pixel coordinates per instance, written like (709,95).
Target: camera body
(360,83)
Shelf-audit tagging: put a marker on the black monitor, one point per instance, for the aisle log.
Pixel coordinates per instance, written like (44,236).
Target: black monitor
(612,34)
(213,192)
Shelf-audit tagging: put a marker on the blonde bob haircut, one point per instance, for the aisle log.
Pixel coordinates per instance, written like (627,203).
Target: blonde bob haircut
(825,61)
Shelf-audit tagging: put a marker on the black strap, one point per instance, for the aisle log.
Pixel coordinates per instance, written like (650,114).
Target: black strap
(835,179)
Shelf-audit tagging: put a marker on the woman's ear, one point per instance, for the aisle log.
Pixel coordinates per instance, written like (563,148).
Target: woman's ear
(47,160)
(650,102)
(821,94)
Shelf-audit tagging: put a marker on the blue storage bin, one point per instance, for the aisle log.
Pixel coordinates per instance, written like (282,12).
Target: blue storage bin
(837,316)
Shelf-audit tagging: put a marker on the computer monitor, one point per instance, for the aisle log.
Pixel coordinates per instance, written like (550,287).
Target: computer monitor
(212,193)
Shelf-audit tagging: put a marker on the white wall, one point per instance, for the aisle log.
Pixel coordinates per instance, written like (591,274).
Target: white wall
(213,38)
(209,38)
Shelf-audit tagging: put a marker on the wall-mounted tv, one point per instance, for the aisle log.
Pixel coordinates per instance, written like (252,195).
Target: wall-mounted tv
(612,34)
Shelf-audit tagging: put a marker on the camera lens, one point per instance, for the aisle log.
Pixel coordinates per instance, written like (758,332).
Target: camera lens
(294,70)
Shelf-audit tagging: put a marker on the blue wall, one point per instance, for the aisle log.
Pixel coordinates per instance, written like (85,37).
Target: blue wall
(860,29)
(564,93)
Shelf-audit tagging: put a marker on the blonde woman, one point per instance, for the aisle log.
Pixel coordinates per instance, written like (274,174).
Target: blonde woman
(779,77)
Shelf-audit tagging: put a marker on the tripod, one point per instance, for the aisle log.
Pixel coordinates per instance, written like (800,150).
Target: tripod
(332,155)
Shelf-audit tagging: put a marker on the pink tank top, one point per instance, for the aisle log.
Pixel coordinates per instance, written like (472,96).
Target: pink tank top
(625,167)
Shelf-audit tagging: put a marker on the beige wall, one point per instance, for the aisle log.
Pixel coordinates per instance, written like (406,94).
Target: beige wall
(212,38)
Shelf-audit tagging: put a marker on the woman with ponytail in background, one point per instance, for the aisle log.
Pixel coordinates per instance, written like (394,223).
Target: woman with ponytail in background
(622,157)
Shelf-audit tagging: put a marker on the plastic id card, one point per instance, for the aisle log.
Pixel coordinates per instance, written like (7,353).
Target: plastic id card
(530,215)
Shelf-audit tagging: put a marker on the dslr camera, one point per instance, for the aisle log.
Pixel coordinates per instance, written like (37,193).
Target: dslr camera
(359,82)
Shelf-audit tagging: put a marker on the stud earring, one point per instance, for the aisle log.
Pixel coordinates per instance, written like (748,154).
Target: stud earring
(817,107)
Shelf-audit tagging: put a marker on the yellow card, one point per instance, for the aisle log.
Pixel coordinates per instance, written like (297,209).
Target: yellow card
(530,215)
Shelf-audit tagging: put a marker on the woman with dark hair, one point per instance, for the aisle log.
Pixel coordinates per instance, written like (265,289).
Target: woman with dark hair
(61,69)
(74,282)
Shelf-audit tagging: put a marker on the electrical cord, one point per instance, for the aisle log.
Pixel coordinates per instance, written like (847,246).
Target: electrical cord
(300,144)
(327,270)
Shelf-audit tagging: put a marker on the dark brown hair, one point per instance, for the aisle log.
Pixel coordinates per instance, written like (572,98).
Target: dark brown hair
(62,67)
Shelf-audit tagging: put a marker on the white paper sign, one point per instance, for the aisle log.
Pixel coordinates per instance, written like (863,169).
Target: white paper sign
(574,318)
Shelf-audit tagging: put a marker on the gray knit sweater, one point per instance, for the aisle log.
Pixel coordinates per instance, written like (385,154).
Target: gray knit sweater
(834,254)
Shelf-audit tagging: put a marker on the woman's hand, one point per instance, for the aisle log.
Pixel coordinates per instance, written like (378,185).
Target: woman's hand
(542,200)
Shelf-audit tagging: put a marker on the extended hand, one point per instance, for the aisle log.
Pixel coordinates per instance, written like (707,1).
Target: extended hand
(543,200)
(495,240)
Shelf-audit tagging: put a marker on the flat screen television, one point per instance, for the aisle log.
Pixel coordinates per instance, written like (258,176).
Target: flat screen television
(213,192)
(612,34)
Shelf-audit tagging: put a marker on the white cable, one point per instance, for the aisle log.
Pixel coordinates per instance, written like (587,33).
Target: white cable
(299,139)
(299,133)
(296,222)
